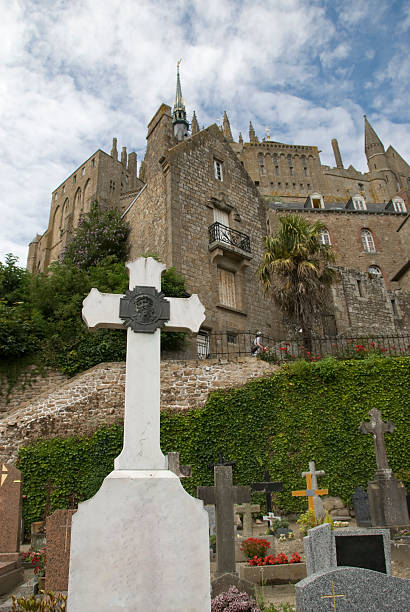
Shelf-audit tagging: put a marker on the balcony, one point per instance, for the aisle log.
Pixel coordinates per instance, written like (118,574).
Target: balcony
(225,238)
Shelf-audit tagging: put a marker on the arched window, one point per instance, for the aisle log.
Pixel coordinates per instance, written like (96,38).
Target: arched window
(290,162)
(87,197)
(77,207)
(64,214)
(368,242)
(56,226)
(324,237)
(261,163)
(276,163)
(304,164)
(375,271)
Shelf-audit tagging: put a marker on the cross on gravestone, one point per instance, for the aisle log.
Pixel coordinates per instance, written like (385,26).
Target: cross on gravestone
(312,491)
(221,461)
(387,495)
(246,511)
(224,495)
(182,471)
(144,310)
(268,487)
(378,429)
(271,518)
(58,534)
(131,553)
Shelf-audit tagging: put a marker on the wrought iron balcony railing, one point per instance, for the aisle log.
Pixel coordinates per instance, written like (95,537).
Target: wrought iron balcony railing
(222,233)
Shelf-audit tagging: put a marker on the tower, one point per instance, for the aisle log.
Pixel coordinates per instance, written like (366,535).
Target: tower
(383,180)
(179,120)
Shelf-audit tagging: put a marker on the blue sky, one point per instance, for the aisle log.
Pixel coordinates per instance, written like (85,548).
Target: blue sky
(76,73)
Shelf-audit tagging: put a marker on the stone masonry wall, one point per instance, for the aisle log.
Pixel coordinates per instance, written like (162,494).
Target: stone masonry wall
(82,404)
(30,385)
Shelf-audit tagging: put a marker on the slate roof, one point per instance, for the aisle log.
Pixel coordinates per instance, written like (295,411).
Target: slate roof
(376,208)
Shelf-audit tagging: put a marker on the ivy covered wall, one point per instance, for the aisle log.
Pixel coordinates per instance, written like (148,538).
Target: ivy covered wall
(303,412)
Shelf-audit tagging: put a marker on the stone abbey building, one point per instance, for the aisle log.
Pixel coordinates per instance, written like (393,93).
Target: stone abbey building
(204,202)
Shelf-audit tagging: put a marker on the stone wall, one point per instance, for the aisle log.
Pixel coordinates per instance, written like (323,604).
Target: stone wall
(82,404)
(29,386)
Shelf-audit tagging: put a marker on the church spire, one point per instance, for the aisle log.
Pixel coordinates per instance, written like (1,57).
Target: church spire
(227,128)
(372,143)
(179,119)
(252,136)
(194,125)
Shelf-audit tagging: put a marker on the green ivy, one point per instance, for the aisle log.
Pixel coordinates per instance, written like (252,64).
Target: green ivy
(303,412)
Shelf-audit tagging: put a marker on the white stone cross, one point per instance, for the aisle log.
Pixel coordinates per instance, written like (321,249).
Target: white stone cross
(271,518)
(141,450)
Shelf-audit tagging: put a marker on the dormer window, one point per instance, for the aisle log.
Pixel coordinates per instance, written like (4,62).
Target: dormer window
(315,200)
(359,202)
(399,205)
(218,170)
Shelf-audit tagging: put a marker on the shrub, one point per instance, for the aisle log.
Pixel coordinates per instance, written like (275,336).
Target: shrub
(254,546)
(234,601)
(50,602)
(308,520)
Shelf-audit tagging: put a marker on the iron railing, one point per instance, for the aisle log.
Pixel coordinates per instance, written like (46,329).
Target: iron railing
(222,233)
(230,344)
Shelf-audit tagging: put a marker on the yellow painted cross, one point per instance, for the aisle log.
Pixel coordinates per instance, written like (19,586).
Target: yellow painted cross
(311,486)
(332,596)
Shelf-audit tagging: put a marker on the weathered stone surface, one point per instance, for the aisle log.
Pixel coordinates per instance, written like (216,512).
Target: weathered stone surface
(223,582)
(11,483)
(320,549)
(96,397)
(58,532)
(348,589)
(273,574)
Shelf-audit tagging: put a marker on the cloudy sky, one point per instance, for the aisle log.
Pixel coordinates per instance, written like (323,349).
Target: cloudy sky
(75,73)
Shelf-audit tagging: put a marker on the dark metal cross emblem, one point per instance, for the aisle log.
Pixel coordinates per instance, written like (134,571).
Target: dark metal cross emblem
(268,487)
(221,461)
(378,429)
(223,496)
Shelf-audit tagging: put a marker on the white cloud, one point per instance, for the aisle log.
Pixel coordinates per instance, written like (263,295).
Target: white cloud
(74,74)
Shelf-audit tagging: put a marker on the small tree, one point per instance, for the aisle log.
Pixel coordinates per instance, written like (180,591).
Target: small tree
(295,268)
(100,234)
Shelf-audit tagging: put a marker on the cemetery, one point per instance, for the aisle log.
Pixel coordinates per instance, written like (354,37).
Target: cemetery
(307,510)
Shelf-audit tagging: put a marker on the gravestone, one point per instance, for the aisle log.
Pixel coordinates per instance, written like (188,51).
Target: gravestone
(224,495)
(127,553)
(352,589)
(11,481)
(182,471)
(58,534)
(387,496)
(246,511)
(364,548)
(212,519)
(361,508)
(312,492)
(268,487)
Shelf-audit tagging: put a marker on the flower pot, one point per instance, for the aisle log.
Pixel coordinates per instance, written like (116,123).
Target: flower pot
(273,574)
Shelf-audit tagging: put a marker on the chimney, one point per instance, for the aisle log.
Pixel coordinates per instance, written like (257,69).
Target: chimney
(132,169)
(336,152)
(124,156)
(114,152)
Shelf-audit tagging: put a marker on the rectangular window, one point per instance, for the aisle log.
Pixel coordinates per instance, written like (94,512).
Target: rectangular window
(92,163)
(82,171)
(221,216)
(277,170)
(360,288)
(394,307)
(202,343)
(74,179)
(227,295)
(218,170)
(231,338)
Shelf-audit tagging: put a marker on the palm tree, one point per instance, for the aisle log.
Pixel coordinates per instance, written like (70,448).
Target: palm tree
(295,268)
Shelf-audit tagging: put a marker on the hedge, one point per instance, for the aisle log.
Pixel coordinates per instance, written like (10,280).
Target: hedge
(304,412)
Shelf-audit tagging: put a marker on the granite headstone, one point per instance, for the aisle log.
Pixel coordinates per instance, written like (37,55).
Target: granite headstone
(58,534)
(360,500)
(352,589)
(11,572)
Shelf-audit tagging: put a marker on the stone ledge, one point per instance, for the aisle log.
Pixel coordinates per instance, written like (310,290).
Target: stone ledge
(273,574)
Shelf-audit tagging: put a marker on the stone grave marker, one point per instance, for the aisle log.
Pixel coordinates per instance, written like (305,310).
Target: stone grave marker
(246,511)
(387,496)
(182,471)
(361,507)
(268,487)
(364,548)
(348,589)
(11,482)
(212,519)
(127,553)
(58,534)
(224,495)
(312,492)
